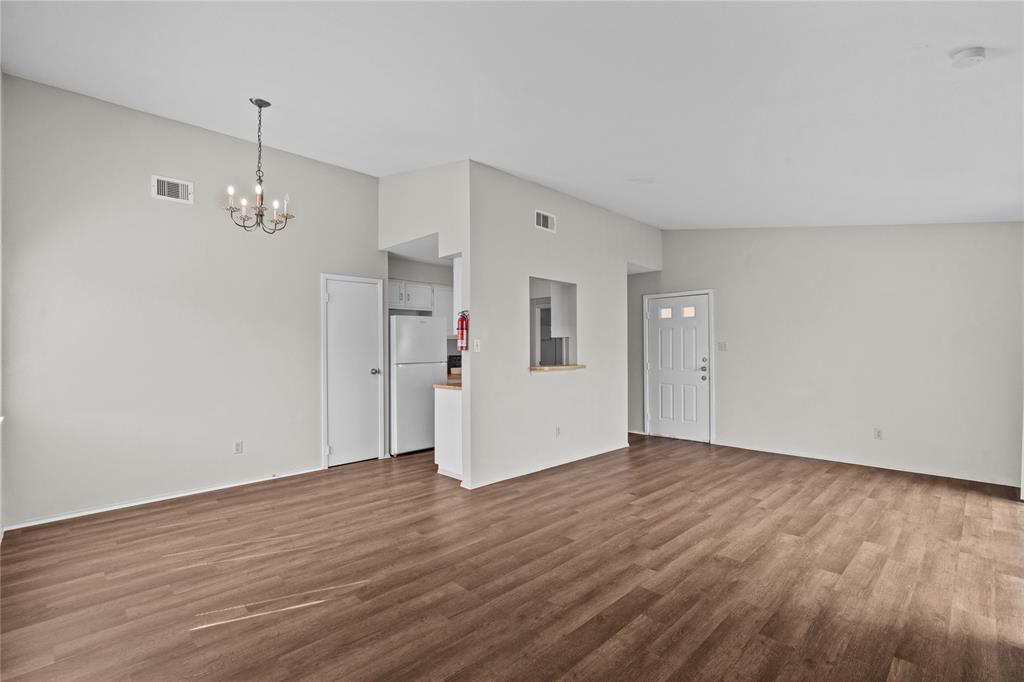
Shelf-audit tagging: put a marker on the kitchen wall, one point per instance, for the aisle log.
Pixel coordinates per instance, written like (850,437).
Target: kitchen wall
(402,268)
(515,412)
(832,332)
(142,337)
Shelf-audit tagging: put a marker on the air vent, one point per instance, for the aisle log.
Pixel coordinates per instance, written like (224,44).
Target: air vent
(545,221)
(171,189)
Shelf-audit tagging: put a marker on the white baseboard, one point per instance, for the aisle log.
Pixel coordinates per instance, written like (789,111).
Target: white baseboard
(850,460)
(473,485)
(637,433)
(148,500)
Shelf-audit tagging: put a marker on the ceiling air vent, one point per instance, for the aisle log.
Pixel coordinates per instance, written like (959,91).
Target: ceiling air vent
(171,189)
(544,221)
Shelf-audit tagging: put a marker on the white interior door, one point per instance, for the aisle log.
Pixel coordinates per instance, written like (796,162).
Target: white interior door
(678,367)
(353,363)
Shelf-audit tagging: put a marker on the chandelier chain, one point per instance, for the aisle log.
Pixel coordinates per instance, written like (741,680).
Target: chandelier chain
(259,146)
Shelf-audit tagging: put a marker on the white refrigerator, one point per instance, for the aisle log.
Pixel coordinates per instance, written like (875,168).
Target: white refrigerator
(419,359)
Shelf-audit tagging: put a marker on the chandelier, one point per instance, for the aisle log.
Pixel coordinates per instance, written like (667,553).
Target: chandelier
(240,215)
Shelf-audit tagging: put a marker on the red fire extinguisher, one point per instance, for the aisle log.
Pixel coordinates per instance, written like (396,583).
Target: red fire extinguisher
(463,330)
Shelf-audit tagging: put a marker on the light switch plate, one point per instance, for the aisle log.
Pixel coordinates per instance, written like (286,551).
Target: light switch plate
(721,346)
(476,345)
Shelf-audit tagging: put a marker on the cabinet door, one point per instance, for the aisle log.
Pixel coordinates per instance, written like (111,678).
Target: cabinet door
(418,296)
(443,306)
(563,309)
(456,292)
(396,294)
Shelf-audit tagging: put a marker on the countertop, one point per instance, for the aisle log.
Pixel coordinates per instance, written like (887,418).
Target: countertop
(555,368)
(450,387)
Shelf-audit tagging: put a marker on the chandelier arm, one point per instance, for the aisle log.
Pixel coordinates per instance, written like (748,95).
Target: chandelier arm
(245,224)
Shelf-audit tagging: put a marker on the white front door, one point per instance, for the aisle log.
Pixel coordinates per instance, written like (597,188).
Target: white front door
(678,367)
(353,362)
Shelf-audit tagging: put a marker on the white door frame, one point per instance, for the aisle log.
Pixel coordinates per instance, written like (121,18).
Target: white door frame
(711,343)
(324,278)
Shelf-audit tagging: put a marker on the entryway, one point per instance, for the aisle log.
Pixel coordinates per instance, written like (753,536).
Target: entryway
(353,368)
(678,400)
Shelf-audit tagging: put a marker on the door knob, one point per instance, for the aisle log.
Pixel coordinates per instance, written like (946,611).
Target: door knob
(704,368)
(374,371)
(703,378)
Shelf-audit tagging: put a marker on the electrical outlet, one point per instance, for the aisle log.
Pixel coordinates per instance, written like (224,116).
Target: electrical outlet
(238,447)
(878,434)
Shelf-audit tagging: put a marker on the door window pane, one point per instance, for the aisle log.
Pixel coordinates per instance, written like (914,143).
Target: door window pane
(689,311)
(665,313)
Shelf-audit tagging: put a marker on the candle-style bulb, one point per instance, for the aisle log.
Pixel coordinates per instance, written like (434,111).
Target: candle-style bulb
(259,189)
(231,190)
(276,204)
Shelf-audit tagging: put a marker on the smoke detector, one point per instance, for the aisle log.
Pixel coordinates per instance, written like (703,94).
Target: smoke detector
(968,57)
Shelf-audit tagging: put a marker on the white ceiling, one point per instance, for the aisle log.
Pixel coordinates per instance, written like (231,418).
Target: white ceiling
(683,115)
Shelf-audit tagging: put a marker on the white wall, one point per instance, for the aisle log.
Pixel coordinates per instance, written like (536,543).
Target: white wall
(424,202)
(1,318)
(142,337)
(832,332)
(515,412)
(415,271)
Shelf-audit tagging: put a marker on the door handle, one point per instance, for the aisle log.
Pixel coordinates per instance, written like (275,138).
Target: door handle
(704,368)
(374,371)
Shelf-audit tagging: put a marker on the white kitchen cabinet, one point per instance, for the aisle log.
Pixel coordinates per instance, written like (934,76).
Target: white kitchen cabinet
(443,305)
(448,432)
(456,293)
(395,293)
(418,296)
(563,309)
(403,295)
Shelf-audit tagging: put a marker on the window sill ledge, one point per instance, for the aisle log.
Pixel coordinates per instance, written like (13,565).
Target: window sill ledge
(555,368)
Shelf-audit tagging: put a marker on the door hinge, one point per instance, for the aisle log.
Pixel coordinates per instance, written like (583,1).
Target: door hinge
(327,297)
(327,450)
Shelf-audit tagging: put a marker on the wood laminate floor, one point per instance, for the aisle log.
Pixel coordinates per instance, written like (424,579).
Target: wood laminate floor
(665,560)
